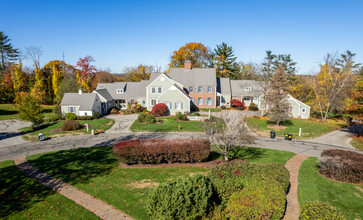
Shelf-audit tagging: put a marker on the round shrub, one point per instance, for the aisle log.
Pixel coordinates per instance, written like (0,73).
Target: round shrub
(258,200)
(232,177)
(317,210)
(253,107)
(237,104)
(71,116)
(181,117)
(187,198)
(155,151)
(96,115)
(146,118)
(71,125)
(159,110)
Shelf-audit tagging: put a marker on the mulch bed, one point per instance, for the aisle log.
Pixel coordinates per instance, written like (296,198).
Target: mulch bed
(277,127)
(206,165)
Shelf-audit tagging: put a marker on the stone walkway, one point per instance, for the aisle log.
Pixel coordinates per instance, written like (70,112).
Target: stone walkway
(293,208)
(98,207)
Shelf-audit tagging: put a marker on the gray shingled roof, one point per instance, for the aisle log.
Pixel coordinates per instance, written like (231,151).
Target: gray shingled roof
(105,94)
(238,88)
(195,76)
(224,86)
(132,90)
(85,100)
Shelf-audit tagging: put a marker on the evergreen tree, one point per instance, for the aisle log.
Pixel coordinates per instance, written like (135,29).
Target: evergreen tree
(273,62)
(7,52)
(267,67)
(226,62)
(278,109)
(30,110)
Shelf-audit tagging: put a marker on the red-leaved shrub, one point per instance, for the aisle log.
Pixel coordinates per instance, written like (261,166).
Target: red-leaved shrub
(162,150)
(159,110)
(238,104)
(342,165)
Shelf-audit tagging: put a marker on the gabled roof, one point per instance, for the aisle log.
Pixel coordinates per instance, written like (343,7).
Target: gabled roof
(177,88)
(85,100)
(224,86)
(104,93)
(297,101)
(238,88)
(195,76)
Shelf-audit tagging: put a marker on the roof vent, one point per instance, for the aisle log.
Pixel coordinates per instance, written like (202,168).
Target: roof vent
(80,92)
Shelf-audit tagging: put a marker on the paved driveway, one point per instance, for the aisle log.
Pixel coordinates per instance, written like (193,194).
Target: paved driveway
(9,134)
(122,123)
(340,138)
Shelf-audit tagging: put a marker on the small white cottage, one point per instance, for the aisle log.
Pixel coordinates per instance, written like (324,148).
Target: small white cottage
(81,104)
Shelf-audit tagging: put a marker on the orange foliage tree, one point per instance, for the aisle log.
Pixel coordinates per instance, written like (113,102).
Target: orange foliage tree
(197,53)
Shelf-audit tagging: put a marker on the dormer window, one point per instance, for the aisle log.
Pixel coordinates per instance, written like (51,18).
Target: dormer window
(119,91)
(248,88)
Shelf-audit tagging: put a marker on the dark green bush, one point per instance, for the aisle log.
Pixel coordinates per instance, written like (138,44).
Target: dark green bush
(96,115)
(253,107)
(71,125)
(181,117)
(146,118)
(258,200)
(71,116)
(317,210)
(232,177)
(84,117)
(187,198)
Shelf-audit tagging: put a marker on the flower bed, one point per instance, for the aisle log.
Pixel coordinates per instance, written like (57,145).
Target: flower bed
(162,150)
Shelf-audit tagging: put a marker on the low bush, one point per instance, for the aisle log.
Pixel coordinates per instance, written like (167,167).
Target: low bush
(146,118)
(71,116)
(188,198)
(162,150)
(232,177)
(258,200)
(96,115)
(357,130)
(253,107)
(317,210)
(342,165)
(71,125)
(159,110)
(238,104)
(181,117)
(113,111)
(223,107)
(84,117)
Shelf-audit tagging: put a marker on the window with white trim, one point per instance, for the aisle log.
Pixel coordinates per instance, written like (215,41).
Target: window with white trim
(72,109)
(209,89)
(159,90)
(209,101)
(248,88)
(191,89)
(153,90)
(143,103)
(303,110)
(178,105)
(119,91)
(200,101)
(200,89)
(153,101)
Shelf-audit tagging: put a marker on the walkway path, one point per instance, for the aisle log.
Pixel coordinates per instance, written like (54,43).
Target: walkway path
(293,208)
(98,207)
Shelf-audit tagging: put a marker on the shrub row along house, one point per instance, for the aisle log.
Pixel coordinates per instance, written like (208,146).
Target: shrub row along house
(182,90)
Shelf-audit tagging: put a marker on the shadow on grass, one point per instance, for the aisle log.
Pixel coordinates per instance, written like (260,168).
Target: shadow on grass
(283,123)
(8,112)
(77,165)
(247,153)
(18,192)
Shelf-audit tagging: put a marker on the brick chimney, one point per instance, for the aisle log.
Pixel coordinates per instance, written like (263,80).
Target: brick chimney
(187,65)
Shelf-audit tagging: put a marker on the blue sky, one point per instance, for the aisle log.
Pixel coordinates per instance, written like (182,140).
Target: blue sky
(127,33)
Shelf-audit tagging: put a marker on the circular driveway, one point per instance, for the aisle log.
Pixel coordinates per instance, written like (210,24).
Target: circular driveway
(9,134)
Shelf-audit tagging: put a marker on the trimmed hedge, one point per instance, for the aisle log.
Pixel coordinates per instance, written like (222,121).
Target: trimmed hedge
(342,165)
(71,116)
(259,200)
(162,150)
(181,198)
(84,118)
(159,110)
(233,177)
(317,210)
(71,125)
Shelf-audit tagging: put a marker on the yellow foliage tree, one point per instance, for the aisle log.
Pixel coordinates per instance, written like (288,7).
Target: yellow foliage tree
(55,72)
(19,81)
(196,53)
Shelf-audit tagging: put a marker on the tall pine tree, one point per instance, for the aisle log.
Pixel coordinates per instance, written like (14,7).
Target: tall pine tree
(226,62)
(278,87)
(7,52)
(273,62)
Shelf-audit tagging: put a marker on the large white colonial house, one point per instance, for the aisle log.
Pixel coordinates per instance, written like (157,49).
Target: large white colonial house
(180,90)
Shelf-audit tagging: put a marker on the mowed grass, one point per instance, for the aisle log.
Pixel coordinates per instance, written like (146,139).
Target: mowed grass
(343,196)
(211,109)
(97,172)
(357,143)
(8,111)
(309,129)
(23,198)
(170,124)
(48,129)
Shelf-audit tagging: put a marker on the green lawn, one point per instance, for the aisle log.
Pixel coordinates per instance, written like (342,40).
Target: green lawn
(96,171)
(170,124)
(309,129)
(344,196)
(7,111)
(211,109)
(23,198)
(48,128)
(357,143)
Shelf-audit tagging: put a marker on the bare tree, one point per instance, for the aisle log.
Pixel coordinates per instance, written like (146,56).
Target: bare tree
(33,53)
(228,132)
(331,86)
